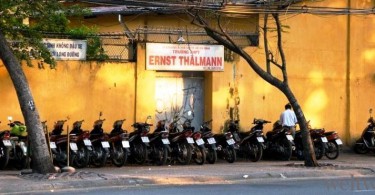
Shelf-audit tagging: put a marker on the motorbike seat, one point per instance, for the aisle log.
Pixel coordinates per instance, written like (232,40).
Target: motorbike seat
(329,133)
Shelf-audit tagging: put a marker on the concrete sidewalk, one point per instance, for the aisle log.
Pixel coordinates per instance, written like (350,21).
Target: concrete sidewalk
(346,166)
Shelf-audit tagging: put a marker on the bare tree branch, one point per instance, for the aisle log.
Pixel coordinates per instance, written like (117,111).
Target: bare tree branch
(280,47)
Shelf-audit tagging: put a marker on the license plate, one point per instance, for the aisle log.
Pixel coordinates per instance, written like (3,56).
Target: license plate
(324,139)
(105,144)
(231,141)
(73,146)
(190,140)
(260,139)
(125,144)
(52,145)
(165,141)
(145,139)
(199,142)
(211,140)
(7,143)
(87,142)
(338,141)
(289,137)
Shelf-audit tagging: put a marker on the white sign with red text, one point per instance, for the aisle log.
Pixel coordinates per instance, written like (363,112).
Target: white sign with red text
(184,57)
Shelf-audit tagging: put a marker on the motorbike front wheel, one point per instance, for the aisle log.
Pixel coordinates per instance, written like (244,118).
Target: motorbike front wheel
(199,155)
(254,151)
(319,148)
(4,157)
(332,151)
(211,156)
(118,155)
(285,149)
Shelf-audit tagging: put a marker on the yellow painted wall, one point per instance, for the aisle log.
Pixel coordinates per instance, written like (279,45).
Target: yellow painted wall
(318,61)
(76,90)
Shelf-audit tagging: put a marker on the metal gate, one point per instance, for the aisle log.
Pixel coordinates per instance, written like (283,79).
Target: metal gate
(182,97)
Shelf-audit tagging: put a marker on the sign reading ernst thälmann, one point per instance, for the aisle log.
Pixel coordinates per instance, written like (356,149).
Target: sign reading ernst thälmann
(184,57)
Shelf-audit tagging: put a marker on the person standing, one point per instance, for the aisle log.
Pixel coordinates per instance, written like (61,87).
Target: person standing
(288,119)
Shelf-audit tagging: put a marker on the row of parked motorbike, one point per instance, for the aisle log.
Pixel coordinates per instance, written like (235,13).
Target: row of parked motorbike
(173,143)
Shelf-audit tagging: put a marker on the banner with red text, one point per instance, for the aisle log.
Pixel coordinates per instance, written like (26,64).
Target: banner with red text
(184,57)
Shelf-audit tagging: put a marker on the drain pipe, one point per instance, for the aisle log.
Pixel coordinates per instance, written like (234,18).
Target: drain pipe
(347,82)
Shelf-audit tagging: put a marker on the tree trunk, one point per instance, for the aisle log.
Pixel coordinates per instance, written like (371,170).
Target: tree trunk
(41,160)
(308,148)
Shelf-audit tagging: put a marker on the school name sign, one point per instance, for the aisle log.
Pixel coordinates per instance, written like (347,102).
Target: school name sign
(66,49)
(184,57)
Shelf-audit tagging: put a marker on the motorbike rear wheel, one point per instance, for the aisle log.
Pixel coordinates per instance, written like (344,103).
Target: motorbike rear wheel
(139,153)
(332,151)
(211,156)
(285,149)
(4,157)
(118,155)
(254,151)
(20,160)
(81,158)
(360,148)
(99,156)
(160,155)
(230,154)
(199,155)
(319,148)
(184,154)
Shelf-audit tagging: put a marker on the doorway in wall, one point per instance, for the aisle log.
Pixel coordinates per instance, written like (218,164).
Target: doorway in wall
(181,95)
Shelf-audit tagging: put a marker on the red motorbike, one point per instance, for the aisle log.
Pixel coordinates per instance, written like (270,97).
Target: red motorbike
(209,142)
(100,144)
(139,141)
(59,144)
(82,139)
(182,143)
(333,145)
(159,144)
(119,140)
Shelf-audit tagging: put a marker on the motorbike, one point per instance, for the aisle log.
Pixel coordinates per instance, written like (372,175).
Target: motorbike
(226,147)
(139,142)
(100,144)
(18,156)
(181,143)
(199,149)
(253,140)
(210,142)
(5,147)
(119,140)
(250,144)
(81,156)
(279,142)
(159,144)
(366,142)
(59,144)
(319,141)
(333,145)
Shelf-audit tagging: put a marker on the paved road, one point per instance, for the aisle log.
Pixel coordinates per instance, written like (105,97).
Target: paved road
(243,176)
(331,186)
